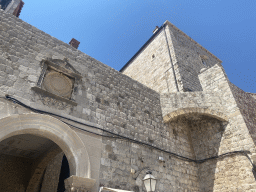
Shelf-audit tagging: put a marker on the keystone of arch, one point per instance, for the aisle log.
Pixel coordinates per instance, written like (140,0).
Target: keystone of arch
(55,130)
(196,110)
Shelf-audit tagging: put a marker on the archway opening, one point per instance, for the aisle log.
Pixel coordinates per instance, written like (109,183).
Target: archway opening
(200,136)
(32,163)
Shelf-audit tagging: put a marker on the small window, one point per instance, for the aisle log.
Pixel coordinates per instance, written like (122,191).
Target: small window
(153,56)
(203,61)
(204,58)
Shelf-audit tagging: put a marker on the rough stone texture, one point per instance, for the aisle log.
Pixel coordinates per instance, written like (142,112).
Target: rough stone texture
(39,167)
(119,157)
(211,137)
(235,137)
(52,174)
(211,121)
(152,67)
(252,95)
(247,105)
(14,173)
(184,56)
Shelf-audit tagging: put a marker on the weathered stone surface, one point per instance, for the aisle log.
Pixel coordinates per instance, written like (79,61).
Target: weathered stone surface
(52,174)
(214,119)
(170,58)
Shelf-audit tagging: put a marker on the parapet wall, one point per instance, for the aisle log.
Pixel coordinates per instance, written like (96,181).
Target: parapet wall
(177,104)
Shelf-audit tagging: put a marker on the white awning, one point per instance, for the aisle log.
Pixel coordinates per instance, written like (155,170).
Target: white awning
(114,190)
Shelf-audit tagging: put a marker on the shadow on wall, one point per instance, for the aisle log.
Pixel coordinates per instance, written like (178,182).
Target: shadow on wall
(32,163)
(206,133)
(203,134)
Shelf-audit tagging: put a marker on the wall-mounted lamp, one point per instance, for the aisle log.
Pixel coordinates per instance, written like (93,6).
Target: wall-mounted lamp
(150,182)
(161,159)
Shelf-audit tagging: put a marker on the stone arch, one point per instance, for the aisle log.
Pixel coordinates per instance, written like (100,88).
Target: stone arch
(195,110)
(55,130)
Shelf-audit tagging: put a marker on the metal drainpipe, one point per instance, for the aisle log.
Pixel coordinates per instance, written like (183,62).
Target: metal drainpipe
(174,75)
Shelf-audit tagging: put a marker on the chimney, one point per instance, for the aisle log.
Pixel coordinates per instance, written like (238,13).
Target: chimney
(156,29)
(18,9)
(74,43)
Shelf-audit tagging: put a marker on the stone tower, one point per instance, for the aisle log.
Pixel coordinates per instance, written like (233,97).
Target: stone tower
(198,99)
(169,61)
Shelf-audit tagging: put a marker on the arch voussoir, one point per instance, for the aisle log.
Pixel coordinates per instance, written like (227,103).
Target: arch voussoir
(195,110)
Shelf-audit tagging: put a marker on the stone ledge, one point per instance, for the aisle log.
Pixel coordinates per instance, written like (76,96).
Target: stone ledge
(46,93)
(201,111)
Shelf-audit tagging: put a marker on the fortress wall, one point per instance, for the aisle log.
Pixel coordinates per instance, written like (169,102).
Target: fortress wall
(247,106)
(206,134)
(212,137)
(233,172)
(104,97)
(173,175)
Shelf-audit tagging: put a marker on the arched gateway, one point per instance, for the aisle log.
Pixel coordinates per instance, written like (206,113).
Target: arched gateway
(62,135)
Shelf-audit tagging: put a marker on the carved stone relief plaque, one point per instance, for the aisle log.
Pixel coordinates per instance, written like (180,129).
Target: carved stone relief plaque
(58,84)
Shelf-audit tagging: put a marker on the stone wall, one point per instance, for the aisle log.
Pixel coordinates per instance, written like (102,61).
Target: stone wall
(234,172)
(206,134)
(252,95)
(119,157)
(152,67)
(247,106)
(216,126)
(52,174)
(104,97)
(203,124)
(14,173)
(181,103)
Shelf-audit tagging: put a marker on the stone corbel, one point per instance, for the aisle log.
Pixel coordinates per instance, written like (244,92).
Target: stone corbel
(78,184)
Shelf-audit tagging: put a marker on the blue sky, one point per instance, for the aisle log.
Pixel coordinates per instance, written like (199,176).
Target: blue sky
(112,31)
